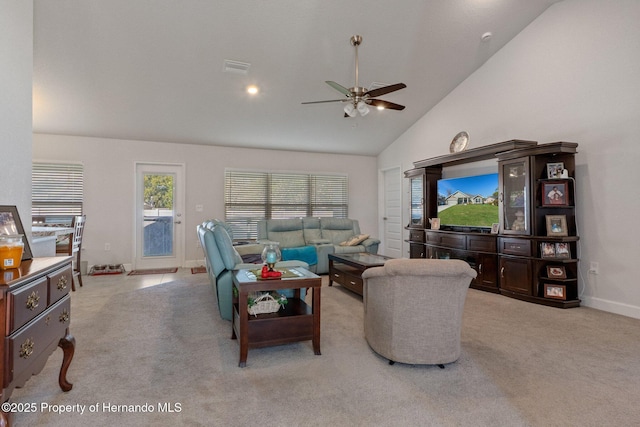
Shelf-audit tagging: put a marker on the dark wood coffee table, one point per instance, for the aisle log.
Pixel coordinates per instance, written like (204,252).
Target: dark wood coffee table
(346,269)
(297,321)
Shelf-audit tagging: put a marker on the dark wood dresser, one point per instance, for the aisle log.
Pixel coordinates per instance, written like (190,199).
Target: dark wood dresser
(36,310)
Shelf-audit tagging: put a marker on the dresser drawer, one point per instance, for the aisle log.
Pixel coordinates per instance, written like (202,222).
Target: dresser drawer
(26,303)
(515,246)
(59,283)
(39,337)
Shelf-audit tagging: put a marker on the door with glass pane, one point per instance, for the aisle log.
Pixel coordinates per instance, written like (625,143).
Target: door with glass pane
(514,196)
(159,221)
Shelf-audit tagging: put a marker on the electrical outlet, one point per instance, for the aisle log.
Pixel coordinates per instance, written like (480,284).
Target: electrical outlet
(594,268)
(107,246)
(199,208)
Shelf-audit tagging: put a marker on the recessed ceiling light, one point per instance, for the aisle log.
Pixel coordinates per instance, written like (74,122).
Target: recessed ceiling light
(252,89)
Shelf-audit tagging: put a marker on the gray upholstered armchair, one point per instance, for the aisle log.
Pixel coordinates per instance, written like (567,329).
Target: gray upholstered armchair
(413,309)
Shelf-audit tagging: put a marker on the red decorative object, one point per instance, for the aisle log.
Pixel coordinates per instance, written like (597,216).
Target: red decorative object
(270,274)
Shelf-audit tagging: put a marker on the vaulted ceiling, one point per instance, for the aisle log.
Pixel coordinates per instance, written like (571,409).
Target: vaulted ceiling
(153,69)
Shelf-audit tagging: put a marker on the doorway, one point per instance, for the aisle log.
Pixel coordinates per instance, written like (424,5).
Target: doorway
(159,241)
(392,218)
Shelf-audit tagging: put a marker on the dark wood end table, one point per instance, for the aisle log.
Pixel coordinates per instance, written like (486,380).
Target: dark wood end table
(347,269)
(297,321)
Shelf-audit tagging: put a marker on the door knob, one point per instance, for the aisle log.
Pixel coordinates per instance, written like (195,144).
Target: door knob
(177,222)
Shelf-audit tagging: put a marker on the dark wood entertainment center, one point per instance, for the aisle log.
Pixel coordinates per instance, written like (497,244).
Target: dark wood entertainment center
(515,261)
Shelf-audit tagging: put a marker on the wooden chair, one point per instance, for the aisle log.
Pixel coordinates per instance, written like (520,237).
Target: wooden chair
(74,248)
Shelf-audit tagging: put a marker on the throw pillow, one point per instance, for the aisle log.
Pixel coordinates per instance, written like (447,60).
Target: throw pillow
(355,240)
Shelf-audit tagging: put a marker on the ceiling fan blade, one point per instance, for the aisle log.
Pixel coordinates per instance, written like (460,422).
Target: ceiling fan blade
(339,88)
(329,100)
(385,89)
(385,104)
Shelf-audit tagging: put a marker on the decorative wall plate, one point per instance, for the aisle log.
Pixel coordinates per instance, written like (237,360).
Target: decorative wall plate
(459,143)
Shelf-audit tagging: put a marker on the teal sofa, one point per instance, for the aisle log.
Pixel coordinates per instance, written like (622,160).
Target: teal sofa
(222,259)
(325,235)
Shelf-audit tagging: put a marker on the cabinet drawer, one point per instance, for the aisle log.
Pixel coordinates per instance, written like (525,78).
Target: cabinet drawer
(450,240)
(27,345)
(59,283)
(416,236)
(453,241)
(348,277)
(481,243)
(515,247)
(26,303)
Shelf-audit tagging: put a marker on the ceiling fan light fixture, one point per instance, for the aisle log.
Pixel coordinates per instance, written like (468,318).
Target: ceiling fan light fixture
(350,110)
(362,108)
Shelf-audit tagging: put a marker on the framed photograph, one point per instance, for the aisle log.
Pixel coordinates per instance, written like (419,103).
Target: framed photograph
(495,228)
(557,225)
(10,224)
(555,193)
(556,272)
(555,291)
(547,250)
(554,170)
(563,250)
(435,223)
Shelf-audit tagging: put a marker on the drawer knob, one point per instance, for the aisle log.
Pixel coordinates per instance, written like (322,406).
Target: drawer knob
(353,283)
(64,316)
(26,349)
(33,300)
(62,283)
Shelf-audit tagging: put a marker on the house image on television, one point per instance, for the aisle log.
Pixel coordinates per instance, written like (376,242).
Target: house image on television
(461,198)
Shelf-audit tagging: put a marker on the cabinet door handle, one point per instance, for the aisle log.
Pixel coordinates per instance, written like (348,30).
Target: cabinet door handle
(502,272)
(480,268)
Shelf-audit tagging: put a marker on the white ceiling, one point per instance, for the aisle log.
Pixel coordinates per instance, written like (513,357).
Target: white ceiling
(153,69)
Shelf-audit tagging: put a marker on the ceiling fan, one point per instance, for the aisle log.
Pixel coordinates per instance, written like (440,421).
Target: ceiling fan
(359,98)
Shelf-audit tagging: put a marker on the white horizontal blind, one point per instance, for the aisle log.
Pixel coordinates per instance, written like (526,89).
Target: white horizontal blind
(57,189)
(252,196)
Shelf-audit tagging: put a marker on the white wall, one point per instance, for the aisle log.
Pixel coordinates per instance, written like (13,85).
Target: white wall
(571,75)
(110,184)
(16,65)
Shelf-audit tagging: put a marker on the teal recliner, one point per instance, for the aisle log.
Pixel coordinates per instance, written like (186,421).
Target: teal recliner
(221,259)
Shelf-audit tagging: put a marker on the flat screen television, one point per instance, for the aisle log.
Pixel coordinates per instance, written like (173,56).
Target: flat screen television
(468,203)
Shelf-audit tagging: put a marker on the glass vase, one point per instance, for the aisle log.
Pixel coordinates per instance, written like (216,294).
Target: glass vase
(271,254)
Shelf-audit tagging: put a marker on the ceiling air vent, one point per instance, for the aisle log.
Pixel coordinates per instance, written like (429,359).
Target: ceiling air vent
(235,67)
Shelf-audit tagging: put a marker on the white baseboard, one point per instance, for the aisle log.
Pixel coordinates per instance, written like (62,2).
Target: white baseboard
(611,306)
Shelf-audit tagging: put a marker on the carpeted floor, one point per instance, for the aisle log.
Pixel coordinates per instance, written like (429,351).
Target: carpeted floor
(521,365)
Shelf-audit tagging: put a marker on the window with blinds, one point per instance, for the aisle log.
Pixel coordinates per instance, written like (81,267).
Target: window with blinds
(56,190)
(252,196)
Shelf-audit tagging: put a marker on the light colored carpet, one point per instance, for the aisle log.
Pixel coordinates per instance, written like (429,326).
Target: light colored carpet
(521,365)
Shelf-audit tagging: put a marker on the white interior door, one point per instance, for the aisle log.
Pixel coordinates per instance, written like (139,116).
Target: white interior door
(159,222)
(392,218)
